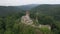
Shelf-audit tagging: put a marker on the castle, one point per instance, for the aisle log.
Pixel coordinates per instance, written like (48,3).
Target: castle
(26,19)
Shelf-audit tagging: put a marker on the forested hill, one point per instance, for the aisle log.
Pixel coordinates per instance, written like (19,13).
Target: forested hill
(42,9)
(5,10)
(28,7)
(43,14)
(47,9)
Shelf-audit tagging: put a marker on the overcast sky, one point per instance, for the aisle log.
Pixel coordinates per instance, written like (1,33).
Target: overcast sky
(25,2)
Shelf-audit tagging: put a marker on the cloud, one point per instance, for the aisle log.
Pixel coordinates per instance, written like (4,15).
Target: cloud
(24,2)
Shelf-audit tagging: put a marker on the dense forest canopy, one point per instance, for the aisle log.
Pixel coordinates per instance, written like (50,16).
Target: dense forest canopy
(10,18)
(47,9)
(6,10)
(51,10)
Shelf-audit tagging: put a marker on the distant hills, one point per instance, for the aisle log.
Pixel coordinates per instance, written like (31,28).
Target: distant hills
(48,9)
(4,10)
(28,7)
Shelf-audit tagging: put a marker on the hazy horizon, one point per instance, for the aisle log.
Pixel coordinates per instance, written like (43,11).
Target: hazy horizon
(26,2)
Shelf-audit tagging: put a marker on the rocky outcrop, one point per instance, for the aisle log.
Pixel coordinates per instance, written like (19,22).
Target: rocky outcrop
(26,19)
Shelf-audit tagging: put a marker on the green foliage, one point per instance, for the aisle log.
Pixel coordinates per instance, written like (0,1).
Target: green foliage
(47,14)
(12,25)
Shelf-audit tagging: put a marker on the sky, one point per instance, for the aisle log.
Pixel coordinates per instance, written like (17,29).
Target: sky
(25,2)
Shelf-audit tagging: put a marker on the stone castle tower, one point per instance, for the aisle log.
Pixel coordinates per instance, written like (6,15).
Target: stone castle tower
(26,19)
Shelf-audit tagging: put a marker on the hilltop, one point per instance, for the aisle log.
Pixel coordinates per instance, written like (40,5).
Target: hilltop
(28,7)
(47,9)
